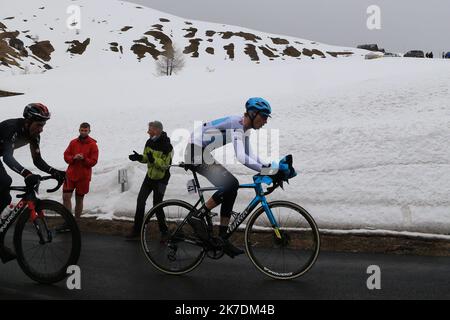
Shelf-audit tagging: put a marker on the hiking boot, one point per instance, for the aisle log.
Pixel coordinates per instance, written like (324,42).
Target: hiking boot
(230,250)
(164,238)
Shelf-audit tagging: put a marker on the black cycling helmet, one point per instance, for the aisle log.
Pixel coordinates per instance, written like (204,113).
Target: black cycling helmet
(36,112)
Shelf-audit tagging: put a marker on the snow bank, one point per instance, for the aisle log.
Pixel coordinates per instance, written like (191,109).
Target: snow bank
(369,137)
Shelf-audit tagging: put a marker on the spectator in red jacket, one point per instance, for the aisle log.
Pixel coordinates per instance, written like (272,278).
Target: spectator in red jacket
(81,155)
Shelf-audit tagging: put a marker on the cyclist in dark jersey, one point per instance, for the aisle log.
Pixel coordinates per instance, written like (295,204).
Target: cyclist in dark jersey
(215,134)
(16,133)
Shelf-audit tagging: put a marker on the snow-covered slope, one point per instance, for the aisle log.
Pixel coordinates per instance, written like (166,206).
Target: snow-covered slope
(36,36)
(369,137)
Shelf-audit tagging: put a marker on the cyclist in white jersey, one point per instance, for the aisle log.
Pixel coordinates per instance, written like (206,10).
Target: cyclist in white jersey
(216,134)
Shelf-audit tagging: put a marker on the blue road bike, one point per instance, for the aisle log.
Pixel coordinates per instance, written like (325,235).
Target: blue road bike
(281,238)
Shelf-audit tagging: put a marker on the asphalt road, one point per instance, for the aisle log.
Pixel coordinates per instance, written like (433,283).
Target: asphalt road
(112,268)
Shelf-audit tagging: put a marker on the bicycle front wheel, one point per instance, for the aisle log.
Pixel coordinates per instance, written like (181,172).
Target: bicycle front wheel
(177,252)
(46,247)
(288,252)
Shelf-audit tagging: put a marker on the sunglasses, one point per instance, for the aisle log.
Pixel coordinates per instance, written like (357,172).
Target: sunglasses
(264,115)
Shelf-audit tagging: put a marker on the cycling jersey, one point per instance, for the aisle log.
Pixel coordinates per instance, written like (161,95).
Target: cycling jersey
(217,133)
(13,135)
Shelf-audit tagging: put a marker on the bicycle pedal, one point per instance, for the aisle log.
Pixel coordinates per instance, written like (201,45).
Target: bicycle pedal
(214,250)
(216,242)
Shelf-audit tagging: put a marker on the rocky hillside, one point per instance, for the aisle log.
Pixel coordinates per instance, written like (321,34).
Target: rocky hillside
(40,36)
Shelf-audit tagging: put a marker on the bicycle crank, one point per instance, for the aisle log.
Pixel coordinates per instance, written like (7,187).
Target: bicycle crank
(215,250)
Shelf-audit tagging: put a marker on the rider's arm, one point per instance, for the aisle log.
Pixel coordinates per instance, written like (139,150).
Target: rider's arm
(242,153)
(251,154)
(37,158)
(11,162)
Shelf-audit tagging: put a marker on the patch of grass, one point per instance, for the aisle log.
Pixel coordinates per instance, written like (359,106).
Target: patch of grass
(247,36)
(251,52)
(8,94)
(193,48)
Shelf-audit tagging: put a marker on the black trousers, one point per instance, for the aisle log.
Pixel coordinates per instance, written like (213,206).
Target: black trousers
(158,188)
(217,175)
(5,183)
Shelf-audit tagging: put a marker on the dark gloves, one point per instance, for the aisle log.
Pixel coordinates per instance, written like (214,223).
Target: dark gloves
(277,177)
(32,179)
(58,175)
(135,157)
(139,157)
(277,171)
(270,170)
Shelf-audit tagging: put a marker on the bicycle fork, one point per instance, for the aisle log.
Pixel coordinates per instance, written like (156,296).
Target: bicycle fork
(35,218)
(271,218)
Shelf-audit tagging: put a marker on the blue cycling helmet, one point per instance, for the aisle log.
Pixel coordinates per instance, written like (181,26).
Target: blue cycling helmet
(259,105)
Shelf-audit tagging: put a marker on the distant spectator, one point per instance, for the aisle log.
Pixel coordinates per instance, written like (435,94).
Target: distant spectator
(431,55)
(81,155)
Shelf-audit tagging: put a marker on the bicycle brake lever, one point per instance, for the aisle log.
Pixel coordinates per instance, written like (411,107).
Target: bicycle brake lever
(272,188)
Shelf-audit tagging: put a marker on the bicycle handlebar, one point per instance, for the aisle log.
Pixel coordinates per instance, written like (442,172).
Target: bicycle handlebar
(60,183)
(272,188)
(26,189)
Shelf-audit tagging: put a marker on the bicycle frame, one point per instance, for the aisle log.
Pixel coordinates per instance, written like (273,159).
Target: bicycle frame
(28,201)
(259,198)
(19,209)
(6,223)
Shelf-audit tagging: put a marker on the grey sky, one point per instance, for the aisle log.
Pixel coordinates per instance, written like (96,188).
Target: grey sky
(405,25)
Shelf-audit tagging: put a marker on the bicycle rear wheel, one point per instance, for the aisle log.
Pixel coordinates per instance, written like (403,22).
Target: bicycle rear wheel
(47,247)
(288,254)
(178,252)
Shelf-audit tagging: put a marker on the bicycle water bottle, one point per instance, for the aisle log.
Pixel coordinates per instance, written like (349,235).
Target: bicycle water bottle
(6,212)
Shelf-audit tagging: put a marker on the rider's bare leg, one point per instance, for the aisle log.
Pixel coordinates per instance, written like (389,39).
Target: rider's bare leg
(211,204)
